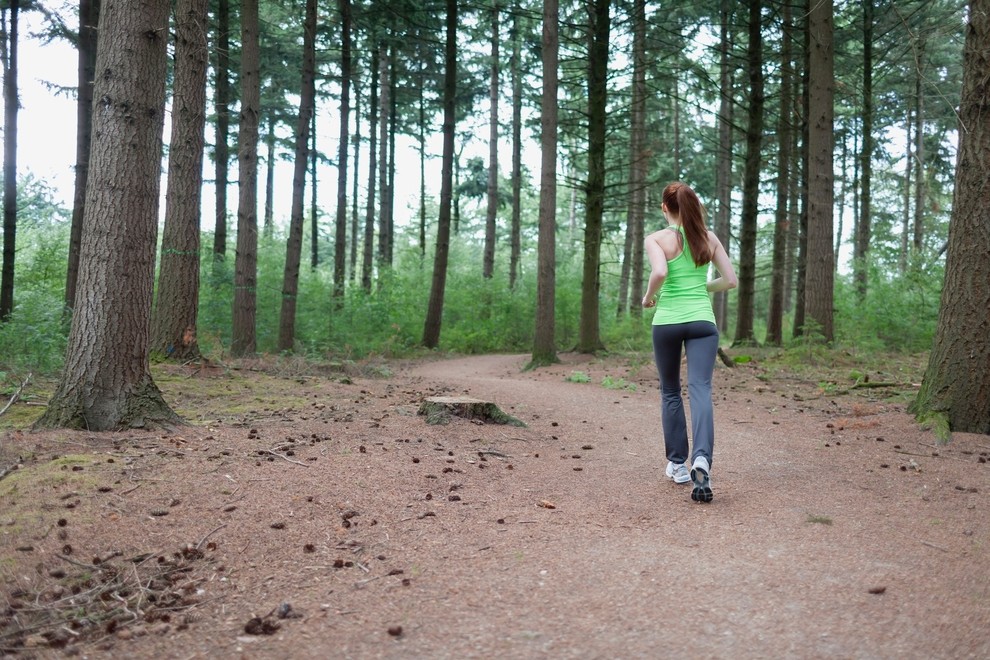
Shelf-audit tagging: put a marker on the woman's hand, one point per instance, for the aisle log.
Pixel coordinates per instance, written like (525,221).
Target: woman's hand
(649,301)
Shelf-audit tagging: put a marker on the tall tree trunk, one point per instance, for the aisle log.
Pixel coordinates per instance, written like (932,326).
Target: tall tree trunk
(821,143)
(864,228)
(906,210)
(434,310)
(340,243)
(314,208)
(918,237)
(800,284)
(355,182)
(544,340)
(383,131)
(636,193)
(421,106)
(962,343)
(293,250)
(106,383)
(840,203)
(89,17)
(246,260)
(723,167)
(176,310)
(221,160)
(491,211)
(589,338)
(515,244)
(10,105)
(638,156)
(268,226)
(389,195)
(367,263)
(751,180)
(775,320)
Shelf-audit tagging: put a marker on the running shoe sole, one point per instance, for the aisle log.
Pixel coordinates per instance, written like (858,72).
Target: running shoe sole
(702,491)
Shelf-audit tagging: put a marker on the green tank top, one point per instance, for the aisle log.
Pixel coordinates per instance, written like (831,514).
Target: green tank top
(683,296)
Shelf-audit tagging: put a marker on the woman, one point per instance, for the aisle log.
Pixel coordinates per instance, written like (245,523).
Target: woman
(679,256)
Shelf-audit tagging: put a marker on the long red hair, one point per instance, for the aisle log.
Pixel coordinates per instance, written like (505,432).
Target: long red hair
(683,202)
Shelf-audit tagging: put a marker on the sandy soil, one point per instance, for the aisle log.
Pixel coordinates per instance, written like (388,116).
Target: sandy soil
(348,527)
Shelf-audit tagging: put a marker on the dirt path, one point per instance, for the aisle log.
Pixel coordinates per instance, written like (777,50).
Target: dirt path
(839,529)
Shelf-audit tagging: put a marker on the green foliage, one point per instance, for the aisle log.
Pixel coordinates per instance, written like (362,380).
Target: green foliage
(578,377)
(620,383)
(34,338)
(897,314)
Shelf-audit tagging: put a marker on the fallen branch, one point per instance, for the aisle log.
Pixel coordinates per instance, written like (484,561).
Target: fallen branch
(16,394)
(212,532)
(869,384)
(283,457)
(7,470)
(932,545)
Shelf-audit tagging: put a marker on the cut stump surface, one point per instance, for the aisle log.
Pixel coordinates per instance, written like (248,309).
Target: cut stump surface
(439,410)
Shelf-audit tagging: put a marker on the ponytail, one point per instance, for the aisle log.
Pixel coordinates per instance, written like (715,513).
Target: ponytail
(682,201)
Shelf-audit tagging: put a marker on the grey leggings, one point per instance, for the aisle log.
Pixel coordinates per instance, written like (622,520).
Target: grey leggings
(700,341)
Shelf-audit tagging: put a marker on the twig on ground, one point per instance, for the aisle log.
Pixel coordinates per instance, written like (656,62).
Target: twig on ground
(7,470)
(282,456)
(212,532)
(932,545)
(16,394)
(78,563)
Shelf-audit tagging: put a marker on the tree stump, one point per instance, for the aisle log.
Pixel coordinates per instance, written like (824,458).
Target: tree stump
(439,410)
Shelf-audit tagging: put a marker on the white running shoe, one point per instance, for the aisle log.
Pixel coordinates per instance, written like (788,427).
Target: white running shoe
(702,491)
(678,472)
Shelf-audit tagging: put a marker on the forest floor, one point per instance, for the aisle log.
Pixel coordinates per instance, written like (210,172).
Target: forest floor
(308,514)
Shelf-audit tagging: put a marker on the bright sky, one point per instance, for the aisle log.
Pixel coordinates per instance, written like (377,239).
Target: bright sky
(46,135)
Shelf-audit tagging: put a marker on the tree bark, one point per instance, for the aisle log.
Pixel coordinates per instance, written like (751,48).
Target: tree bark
(491,210)
(246,260)
(89,17)
(821,142)
(293,250)
(177,306)
(864,228)
(434,311)
(515,243)
(751,181)
(775,319)
(367,263)
(639,157)
(956,384)
(221,159)
(355,182)
(11,105)
(340,237)
(106,382)
(589,337)
(723,167)
(268,225)
(918,235)
(385,92)
(800,284)
(314,208)
(544,340)
(421,135)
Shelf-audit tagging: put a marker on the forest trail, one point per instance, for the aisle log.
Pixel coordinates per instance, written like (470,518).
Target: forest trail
(838,528)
